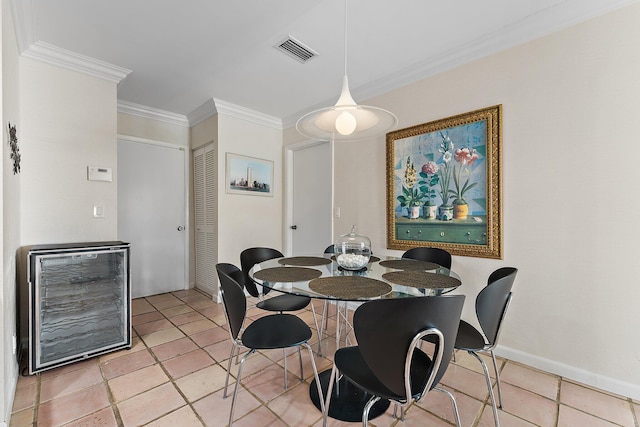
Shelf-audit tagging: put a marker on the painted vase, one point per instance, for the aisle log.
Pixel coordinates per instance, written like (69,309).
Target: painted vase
(429,211)
(460,211)
(445,212)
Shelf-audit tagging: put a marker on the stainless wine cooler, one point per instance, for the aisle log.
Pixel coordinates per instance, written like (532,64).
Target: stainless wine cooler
(74,302)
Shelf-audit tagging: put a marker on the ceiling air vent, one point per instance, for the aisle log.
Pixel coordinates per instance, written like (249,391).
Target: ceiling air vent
(296,50)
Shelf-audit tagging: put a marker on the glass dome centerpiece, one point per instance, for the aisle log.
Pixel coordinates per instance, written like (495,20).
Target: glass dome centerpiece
(352,251)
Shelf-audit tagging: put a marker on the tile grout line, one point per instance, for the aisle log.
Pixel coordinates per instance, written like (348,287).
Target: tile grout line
(166,372)
(112,401)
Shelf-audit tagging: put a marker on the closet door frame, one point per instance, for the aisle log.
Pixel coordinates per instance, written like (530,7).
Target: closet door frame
(209,187)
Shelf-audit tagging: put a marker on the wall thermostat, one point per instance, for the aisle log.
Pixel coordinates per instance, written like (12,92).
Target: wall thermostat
(95,173)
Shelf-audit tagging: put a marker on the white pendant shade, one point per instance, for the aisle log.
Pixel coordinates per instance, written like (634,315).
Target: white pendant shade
(346,120)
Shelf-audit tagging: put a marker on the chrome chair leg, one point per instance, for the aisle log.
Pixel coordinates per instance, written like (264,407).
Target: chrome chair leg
(455,405)
(323,325)
(235,391)
(367,408)
(489,386)
(495,367)
(318,329)
(325,413)
(317,378)
(301,371)
(286,380)
(226,382)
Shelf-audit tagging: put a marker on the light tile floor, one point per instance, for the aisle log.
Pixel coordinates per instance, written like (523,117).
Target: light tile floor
(175,372)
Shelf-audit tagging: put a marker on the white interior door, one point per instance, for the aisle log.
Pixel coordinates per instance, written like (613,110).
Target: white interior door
(152,215)
(312,199)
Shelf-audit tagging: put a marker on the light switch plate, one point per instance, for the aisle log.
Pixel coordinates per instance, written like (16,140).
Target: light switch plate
(98,211)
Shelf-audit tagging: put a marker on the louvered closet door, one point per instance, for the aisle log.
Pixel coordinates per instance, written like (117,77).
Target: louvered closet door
(204,180)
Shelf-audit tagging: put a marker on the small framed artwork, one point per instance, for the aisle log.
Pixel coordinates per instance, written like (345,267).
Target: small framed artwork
(249,175)
(444,185)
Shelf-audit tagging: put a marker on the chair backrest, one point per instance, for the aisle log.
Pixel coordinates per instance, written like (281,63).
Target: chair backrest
(331,249)
(492,301)
(385,328)
(249,258)
(233,298)
(437,255)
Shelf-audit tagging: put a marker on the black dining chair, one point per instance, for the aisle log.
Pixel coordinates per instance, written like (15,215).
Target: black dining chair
(491,306)
(279,303)
(437,255)
(387,363)
(275,331)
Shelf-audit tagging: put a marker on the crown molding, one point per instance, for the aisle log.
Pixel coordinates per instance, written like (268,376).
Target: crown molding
(237,111)
(51,54)
(203,112)
(543,23)
(30,47)
(130,108)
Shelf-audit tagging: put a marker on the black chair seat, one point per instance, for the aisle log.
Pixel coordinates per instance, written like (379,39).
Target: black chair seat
(285,302)
(349,361)
(469,338)
(276,331)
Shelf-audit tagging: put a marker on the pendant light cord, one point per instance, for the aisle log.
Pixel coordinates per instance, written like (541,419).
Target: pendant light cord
(345,37)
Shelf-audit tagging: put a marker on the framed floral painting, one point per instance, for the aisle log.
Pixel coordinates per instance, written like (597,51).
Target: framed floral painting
(444,185)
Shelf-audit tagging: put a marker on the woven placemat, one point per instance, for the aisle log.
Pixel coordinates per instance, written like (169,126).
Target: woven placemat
(422,279)
(371,258)
(409,264)
(350,287)
(287,274)
(304,261)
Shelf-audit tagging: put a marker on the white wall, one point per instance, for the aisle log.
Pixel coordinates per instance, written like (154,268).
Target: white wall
(245,220)
(9,211)
(68,123)
(570,197)
(153,129)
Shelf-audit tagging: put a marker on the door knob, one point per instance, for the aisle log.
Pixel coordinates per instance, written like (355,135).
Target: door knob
(294,227)
(180,228)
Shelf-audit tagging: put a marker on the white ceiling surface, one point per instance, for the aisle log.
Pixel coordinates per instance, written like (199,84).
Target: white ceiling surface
(183,53)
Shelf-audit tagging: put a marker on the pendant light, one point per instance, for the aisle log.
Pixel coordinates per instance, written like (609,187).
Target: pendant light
(346,120)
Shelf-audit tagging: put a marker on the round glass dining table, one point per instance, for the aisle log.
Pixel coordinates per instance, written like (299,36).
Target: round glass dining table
(321,277)
(386,277)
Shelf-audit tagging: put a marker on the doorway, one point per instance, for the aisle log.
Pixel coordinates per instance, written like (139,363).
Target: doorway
(310,198)
(152,201)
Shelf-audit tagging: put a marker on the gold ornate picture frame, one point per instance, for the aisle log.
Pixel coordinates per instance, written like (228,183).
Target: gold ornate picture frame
(444,185)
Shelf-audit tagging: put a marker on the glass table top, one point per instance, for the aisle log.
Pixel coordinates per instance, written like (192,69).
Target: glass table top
(385,277)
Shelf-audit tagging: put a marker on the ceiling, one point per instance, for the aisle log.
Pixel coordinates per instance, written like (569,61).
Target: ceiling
(184,53)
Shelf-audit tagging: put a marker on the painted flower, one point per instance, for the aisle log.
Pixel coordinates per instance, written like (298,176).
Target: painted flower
(430,168)
(429,175)
(444,167)
(409,174)
(411,196)
(465,157)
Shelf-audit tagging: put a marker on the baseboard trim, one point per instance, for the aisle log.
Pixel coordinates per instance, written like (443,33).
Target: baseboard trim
(592,379)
